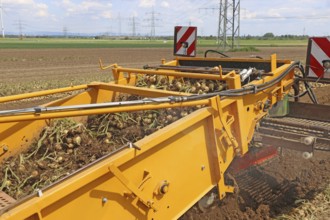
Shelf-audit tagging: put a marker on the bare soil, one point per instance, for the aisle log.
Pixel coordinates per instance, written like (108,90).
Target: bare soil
(49,64)
(28,65)
(265,191)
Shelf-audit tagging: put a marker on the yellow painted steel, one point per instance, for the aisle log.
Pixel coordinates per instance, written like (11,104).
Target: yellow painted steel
(175,166)
(170,73)
(75,113)
(41,93)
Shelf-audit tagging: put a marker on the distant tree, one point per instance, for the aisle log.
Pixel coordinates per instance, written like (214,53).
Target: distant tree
(268,35)
(248,37)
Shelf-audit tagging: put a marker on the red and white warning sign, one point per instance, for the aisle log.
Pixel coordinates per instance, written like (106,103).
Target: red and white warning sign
(318,57)
(185,41)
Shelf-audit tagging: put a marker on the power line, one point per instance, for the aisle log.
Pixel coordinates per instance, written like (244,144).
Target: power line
(289,17)
(20,26)
(65,31)
(119,23)
(228,22)
(152,20)
(133,23)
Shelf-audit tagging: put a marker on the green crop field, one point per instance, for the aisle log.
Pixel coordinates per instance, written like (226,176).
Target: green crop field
(47,43)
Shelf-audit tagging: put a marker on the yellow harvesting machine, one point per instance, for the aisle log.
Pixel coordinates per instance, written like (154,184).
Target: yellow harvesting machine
(165,173)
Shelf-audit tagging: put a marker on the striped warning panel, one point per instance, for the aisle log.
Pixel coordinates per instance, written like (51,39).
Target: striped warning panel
(185,41)
(318,53)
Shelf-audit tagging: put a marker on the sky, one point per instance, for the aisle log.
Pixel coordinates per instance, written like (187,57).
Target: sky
(125,17)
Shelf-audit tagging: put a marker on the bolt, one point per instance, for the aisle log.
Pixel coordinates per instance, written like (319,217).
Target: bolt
(104,200)
(238,152)
(203,167)
(39,193)
(308,140)
(164,189)
(307,155)
(5,148)
(150,203)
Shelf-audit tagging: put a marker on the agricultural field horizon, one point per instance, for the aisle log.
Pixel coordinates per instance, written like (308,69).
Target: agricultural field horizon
(48,43)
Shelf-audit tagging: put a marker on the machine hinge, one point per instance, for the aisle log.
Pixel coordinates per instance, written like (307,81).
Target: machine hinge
(134,189)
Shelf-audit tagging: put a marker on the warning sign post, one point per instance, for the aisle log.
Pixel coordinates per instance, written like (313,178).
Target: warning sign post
(318,57)
(185,41)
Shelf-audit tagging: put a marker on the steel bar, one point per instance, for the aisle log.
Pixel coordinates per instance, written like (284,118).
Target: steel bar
(31,115)
(313,79)
(167,73)
(41,93)
(309,111)
(284,142)
(197,69)
(321,143)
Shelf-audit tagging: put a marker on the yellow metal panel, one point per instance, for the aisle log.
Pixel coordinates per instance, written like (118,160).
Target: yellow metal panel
(181,154)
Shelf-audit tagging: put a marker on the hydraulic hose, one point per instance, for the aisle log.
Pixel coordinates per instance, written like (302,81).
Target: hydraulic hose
(307,85)
(215,51)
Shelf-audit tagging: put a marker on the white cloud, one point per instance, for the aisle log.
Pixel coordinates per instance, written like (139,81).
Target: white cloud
(42,10)
(147,3)
(134,14)
(246,14)
(98,9)
(18,2)
(27,7)
(165,4)
(194,19)
(106,14)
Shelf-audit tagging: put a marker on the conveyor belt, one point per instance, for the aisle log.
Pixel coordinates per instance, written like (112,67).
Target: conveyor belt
(302,132)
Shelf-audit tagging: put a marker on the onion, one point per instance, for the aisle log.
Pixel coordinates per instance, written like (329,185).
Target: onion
(193,89)
(147,120)
(107,141)
(183,113)
(60,159)
(77,140)
(21,168)
(211,86)
(162,79)
(109,135)
(152,79)
(206,89)
(178,85)
(152,87)
(120,125)
(34,173)
(169,117)
(58,146)
(8,183)
(69,140)
(79,128)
